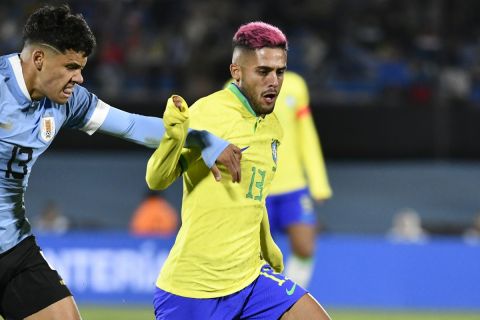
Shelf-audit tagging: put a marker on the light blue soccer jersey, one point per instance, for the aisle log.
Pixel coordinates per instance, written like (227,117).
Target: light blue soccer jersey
(27,128)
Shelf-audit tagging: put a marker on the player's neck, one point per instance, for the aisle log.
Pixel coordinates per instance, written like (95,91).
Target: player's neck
(29,74)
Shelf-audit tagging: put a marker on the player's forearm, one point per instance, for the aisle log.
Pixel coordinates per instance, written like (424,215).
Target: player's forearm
(313,161)
(148,131)
(211,145)
(270,251)
(164,167)
(144,130)
(167,164)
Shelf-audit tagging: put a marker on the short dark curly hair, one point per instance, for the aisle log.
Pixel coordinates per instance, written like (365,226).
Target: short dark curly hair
(59,28)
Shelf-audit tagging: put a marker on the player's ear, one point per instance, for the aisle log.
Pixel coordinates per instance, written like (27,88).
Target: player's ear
(235,71)
(38,56)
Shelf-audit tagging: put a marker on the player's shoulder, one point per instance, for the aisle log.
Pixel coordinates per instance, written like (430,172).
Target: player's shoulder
(3,64)
(80,95)
(294,92)
(5,70)
(293,79)
(80,100)
(218,102)
(78,89)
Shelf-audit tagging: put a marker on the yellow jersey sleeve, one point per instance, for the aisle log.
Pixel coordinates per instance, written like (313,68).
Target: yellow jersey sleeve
(301,161)
(270,251)
(164,167)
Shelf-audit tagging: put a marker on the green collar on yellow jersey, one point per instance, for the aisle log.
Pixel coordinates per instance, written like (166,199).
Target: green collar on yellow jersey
(236,91)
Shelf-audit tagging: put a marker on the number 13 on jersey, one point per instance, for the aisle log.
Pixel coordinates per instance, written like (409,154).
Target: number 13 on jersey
(255,189)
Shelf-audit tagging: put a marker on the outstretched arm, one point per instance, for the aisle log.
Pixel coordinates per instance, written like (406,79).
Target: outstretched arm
(148,131)
(270,251)
(165,164)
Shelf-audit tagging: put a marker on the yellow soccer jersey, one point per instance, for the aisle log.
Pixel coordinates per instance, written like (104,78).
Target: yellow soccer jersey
(301,160)
(217,251)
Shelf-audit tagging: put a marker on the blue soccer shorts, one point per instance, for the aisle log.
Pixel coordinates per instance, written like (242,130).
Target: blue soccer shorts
(290,208)
(268,297)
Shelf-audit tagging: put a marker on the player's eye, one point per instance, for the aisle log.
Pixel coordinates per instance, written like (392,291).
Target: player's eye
(72,67)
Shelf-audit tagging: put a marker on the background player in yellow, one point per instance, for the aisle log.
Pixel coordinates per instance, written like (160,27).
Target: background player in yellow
(217,267)
(301,175)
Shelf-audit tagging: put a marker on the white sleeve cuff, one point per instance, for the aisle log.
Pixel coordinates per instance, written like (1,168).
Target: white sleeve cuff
(97,118)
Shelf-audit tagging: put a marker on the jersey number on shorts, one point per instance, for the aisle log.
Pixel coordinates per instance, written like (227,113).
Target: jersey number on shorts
(17,152)
(258,182)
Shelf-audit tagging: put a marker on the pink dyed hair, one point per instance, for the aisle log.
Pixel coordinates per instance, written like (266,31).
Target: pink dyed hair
(256,35)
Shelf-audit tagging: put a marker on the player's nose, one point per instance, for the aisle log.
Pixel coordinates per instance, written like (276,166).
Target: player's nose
(78,78)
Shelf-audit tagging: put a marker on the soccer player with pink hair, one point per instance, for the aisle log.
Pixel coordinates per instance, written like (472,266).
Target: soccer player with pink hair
(224,263)
(41,94)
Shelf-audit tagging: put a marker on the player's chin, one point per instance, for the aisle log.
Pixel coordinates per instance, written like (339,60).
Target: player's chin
(268,108)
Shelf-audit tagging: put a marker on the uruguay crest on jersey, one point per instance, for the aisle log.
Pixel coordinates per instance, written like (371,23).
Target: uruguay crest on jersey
(47,130)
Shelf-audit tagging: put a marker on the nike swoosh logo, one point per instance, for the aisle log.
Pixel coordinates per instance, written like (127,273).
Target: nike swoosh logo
(243,149)
(292,289)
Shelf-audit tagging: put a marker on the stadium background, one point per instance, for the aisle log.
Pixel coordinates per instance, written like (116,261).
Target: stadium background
(395,88)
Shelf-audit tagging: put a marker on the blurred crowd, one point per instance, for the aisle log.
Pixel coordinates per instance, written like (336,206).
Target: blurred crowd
(388,52)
